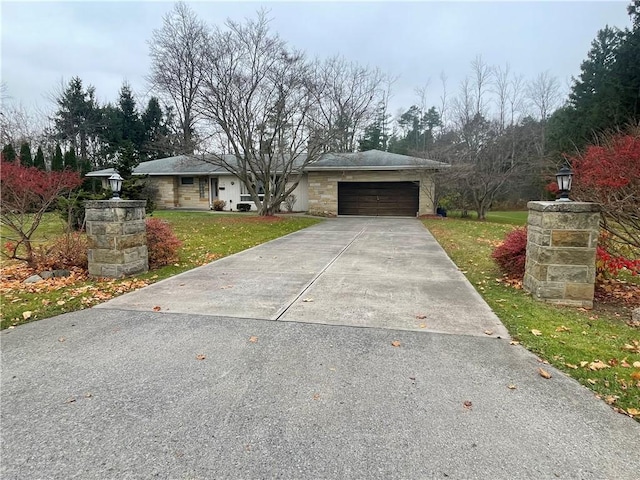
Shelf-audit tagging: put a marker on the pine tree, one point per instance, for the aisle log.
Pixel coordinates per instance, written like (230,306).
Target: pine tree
(38,160)
(57,162)
(9,153)
(70,160)
(25,155)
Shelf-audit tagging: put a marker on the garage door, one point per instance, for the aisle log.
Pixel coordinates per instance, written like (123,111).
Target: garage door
(378,198)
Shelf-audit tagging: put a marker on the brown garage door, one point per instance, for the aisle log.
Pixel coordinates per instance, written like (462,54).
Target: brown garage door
(378,198)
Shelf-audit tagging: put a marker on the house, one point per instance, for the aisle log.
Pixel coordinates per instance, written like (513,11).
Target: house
(372,183)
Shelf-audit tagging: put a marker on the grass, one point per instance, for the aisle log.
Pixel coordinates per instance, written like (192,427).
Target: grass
(509,218)
(205,236)
(596,347)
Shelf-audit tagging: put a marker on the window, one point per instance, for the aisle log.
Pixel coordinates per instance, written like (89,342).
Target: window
(202,186)
(186,180)
(245,196)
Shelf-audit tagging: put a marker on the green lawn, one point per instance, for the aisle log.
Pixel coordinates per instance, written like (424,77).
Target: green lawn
(596,347)
(510,218)
(206,237)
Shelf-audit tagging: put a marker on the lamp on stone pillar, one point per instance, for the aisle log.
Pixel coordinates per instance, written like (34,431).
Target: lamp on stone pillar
(115,182)
(563,178)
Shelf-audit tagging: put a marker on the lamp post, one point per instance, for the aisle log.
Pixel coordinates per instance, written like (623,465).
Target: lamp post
(115,182)
(563,178)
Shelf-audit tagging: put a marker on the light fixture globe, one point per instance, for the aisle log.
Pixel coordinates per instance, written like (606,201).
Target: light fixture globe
(115,182)
(564,178)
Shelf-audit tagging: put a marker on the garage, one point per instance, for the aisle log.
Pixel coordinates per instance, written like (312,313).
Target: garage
(378,198)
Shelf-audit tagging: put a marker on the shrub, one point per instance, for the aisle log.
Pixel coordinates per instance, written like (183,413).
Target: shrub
(65,252)
(140,188)
(511,254)
(162,243)
(218,205)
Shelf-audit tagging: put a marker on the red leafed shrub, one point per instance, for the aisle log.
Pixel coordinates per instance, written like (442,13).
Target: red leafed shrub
(65,252)
(162,243)
(609,265)
(511,254)
(609,174)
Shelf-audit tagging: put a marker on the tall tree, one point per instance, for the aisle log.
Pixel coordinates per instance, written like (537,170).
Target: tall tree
(177,56)
(70,160)
(77,119)
(25,155)
(57,162)
(9,153)
(158,140)
(38,160)
(349,98)
(260,98)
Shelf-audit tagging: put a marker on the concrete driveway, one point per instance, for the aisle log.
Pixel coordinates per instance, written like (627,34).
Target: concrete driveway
(364,272)
(239,377)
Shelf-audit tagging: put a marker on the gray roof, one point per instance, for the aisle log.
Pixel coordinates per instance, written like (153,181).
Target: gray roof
(197,165)
(373,160)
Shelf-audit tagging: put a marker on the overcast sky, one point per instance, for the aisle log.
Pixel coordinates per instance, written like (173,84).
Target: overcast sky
(104,43)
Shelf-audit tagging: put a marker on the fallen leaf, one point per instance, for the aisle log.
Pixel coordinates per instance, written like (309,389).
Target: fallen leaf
(253,339)
(61,339)
(571,365)
(307,300)
(543,373)
(636,364)
(316,396)
(423,325)
(27,315)
(88,395)
(598,365)
(488,332)
(514,342)
(511,387)
(633,411)
(562,328)
(421,316)
(200,356)
(395,343)
(60,302)
(70,400)
(467,404)
(636,375)
(592,381)
(537,333)
(611,399)
(226,287)
(157,308)
(584,364)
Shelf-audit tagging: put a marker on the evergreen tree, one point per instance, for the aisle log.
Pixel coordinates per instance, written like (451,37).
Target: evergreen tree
(38,160)
(9,153)
(70,160)
(78,119)
(127,160)
(57,162)
(131,124)
(25,155)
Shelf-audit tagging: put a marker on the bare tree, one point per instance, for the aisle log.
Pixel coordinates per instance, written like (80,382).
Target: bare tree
(349,98)
(501,87)
(177,55)
(444,105)
(544,93)
(260,98)
(482,74)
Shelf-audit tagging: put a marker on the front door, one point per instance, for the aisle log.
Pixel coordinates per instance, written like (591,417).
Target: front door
(213,191)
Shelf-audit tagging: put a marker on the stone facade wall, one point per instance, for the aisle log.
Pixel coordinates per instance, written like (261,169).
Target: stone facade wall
(323,187)
(166,189)
(117,238)
(561,252)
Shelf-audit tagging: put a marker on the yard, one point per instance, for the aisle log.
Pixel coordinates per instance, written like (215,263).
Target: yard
(600,348)
(205,236)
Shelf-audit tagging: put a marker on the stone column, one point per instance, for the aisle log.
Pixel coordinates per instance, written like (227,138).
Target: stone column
(117,237)
(561,252)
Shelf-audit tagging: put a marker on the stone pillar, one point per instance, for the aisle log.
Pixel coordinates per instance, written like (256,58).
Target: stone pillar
(117,237)
(561,252)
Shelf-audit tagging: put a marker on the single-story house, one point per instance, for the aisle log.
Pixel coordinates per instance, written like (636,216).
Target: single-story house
(368,183)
